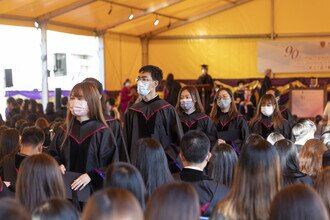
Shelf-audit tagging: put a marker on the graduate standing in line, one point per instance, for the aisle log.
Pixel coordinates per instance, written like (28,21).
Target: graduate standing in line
(192,115)
(231,126)
(205,78)
(85,144)
(152,116)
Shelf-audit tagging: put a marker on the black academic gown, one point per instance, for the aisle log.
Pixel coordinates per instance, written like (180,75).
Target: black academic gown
(89,148)
(200,122)
(266,84)
(210,191)
(173,92)
(9,168)
(234,130)
(265,126)
(155,119)
(115,126)
(286,113)
(206,79)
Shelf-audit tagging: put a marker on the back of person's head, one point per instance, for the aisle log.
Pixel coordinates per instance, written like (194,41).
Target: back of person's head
(222,164)
(96,83)
(325,137)
(304,129)
(19,123)
(126,176)
(322,186)
(155,72)
(9,142)
(298,202)
(32,117)
(289,162)
(10,209)
(152,163)
(38,180)
(195,147)
(64,101)
(256,182)
(55,209)
(170,77)
(175,201)
(25,125)
(32,137)
(14,119)
(326,159)
(112,204)
(310,157)
(50,108)
(42,123)
(274,136)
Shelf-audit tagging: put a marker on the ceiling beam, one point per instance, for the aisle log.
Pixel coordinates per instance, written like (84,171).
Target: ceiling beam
(141,12)
(64,10)
(195,18)
(16,17)
(79,27)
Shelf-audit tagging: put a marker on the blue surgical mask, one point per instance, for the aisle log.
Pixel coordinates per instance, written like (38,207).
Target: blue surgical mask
(223,103)
(142,88)
(186,104)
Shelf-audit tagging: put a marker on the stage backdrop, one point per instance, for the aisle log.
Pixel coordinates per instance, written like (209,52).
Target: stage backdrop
(294,56)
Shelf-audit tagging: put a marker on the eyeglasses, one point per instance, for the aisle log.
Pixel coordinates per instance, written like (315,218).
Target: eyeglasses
(143,79)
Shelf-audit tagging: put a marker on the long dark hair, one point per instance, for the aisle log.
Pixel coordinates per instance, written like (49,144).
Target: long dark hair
(195,97)
(125,176)
(256,182)
(289,162)
(174,201)
(297,202)
(216,109)
(9,142)
(152,163)
(38,180)
(277,118)
(222,164)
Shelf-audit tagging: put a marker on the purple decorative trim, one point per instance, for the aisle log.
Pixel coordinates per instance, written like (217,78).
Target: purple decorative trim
(100,173)
(35,94)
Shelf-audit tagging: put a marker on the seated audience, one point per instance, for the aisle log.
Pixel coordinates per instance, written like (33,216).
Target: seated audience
(222,164)
(256,181)
(31,143)
(55,209)
(174,201)
(310,157)
(325,137)
(195,154)
(112,204)
(38,180)
(9,142)
(298,202)
(302,132)
(274,137)
(125,176)
(289,162)
(50,112)
(322,186)
(150,160)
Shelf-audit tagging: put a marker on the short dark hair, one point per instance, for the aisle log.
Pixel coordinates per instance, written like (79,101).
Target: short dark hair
(195,146)
(156,72)
(96,83)
(32,136)
(126,176)
(64,100)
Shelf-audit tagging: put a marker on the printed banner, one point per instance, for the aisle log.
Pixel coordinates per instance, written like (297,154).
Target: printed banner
(294,56)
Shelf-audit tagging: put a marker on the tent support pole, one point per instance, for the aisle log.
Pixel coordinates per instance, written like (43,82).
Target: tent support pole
(101,59)
(44,68)
(145,50)
(272,19)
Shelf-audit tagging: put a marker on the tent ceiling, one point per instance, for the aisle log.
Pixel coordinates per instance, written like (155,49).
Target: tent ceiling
(101,16)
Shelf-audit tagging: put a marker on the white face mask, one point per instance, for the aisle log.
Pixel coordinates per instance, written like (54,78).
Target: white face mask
(186,104)
(143,88)
(223,103)
(79,107)
(267,110)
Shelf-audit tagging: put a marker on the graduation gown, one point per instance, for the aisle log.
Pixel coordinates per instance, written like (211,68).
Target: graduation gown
(200,122)
(154,119)
(206,79)
(287,114)
(89,148)
(265,126)
(234,130)
(210,191)
(115,126)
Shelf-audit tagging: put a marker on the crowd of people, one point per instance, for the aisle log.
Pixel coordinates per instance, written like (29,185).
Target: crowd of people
(232,157)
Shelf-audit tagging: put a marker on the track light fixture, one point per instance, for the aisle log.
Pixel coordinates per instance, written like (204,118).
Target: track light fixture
(36,24)
(131,16)
(156,22)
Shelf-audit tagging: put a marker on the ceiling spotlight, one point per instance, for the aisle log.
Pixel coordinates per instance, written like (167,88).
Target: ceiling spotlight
(131,16)
(36,24)
(156,22)
(110,10)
